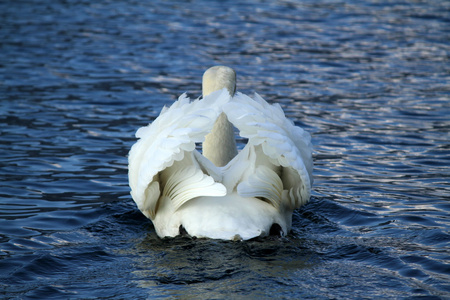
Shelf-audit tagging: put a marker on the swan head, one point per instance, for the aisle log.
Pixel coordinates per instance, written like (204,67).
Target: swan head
(217,78)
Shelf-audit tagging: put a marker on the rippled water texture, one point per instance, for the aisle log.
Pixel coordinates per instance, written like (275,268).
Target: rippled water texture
(370,80)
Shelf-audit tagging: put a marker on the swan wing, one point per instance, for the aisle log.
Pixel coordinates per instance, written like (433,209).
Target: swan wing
(276,163)
(164,162)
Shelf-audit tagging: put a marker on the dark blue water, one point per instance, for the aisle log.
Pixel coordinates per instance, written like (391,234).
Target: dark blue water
(370,80)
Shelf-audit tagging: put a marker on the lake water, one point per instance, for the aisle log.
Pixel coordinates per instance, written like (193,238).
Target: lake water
(370,80)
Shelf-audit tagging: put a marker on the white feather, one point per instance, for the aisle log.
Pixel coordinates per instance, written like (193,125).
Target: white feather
(172,135)
(175,185)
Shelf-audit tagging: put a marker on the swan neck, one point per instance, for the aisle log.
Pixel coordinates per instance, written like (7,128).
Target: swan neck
(219,145)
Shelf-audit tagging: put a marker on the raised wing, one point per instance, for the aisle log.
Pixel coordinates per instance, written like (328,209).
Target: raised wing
(276,163)
(164,162)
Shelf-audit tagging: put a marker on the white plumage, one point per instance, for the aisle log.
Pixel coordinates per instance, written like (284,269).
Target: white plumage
(220,194)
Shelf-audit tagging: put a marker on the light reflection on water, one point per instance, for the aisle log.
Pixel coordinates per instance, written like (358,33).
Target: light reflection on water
(368,79)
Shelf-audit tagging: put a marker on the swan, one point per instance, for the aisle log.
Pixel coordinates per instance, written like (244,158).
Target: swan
(221,193)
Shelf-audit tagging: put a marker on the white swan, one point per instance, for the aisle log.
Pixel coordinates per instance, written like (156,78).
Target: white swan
(221,194)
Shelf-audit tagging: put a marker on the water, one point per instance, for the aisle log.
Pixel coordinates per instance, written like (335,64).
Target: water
(370,80)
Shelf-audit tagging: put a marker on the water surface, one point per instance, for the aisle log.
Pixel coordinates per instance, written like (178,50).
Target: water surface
(368,79)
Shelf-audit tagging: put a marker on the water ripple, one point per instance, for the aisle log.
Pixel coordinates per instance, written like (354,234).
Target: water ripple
(368,79)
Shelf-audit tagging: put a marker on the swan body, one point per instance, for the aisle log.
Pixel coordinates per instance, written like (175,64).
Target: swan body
(220,193)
